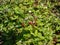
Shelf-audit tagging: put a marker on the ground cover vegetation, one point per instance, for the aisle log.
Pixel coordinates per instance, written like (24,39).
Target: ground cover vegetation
(29,22)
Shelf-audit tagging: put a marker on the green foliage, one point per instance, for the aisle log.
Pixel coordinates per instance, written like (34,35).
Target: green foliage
(26,22)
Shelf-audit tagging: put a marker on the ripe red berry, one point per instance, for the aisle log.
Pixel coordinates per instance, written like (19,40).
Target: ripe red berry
(22,24)
(31,22)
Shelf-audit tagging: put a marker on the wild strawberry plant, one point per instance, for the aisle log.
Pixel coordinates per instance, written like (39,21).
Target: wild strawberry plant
(28,22)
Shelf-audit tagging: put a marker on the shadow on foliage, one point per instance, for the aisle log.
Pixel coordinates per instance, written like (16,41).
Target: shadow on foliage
(11,37)
(8,38)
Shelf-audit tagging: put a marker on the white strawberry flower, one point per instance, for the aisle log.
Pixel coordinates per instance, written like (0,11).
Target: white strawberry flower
(30,11)
(42,4)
